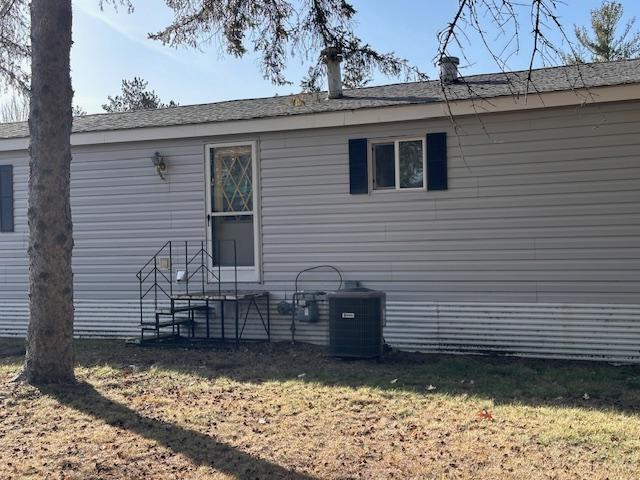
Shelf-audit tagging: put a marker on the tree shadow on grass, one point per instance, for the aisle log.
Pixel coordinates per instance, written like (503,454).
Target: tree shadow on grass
(200,448)
(504,380)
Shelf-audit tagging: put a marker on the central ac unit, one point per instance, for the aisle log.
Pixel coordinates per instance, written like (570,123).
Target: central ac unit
(356,317)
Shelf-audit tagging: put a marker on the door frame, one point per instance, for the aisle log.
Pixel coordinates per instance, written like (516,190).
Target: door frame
(245,273)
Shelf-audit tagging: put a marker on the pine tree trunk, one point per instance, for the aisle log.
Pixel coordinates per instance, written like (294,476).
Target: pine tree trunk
(49,357)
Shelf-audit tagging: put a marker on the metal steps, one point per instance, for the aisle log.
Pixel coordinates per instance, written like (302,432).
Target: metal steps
(172,318)
(174,310)
(166,323)
(167,298)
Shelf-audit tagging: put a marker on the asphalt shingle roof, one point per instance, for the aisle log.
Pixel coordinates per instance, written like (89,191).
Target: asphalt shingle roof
(476,86)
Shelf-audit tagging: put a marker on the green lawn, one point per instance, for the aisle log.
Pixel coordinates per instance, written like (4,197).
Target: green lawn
(282,411)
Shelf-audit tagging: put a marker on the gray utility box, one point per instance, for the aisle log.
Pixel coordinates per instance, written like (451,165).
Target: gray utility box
(356,317)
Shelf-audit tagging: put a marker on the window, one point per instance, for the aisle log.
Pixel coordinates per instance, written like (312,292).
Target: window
(398,164)
(384,166)
(231,210)
(6,198)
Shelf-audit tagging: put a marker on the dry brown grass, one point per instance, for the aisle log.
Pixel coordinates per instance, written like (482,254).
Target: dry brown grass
(276,411)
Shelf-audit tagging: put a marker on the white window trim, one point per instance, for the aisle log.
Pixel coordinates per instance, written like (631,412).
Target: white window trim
(396,151)
(245,274)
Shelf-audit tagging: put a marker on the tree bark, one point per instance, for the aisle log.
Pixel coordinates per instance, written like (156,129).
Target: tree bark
(49,357)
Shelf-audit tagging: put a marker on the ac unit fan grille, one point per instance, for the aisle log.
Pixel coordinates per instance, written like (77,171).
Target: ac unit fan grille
(355,327)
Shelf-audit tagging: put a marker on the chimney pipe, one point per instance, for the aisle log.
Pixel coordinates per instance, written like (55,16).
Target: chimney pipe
(449,69)
(332,58)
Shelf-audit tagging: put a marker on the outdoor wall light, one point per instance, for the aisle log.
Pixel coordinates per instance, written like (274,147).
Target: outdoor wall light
(158,162)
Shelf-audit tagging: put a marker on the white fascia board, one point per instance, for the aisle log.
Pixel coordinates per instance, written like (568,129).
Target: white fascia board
(11,144)
(352,117)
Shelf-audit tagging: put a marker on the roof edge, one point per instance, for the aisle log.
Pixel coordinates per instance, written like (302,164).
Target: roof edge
(363,116)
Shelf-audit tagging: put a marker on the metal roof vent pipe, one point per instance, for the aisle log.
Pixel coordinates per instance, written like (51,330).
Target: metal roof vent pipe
(449,69)
(332,58)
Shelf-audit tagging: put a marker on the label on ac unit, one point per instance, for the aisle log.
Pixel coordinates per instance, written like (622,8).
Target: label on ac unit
(348,315)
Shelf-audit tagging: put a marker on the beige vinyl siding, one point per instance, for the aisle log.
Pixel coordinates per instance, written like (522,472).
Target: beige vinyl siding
(542,217)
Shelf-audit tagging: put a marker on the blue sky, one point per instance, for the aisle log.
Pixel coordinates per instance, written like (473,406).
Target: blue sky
(111,45)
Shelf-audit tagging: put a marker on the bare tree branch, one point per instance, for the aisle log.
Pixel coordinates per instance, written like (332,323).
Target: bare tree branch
(15,48)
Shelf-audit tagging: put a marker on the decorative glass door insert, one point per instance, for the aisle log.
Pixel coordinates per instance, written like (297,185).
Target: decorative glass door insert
(231,205)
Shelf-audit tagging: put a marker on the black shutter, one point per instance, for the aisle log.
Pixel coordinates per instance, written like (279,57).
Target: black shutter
(358,172)
(6,198)
(437,161)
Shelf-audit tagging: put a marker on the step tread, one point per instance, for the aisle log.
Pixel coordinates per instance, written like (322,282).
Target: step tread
(169,311)
(167,323)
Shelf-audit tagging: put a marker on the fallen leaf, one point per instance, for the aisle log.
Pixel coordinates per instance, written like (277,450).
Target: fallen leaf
(430,388)
(586,396)
(485,414)
(394,380)
(302,375)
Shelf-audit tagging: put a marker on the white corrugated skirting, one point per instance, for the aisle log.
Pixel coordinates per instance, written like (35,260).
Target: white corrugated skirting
(92,319)
(569,331)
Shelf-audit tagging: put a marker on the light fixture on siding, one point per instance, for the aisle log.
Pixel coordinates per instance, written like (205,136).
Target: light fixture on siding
(161,166)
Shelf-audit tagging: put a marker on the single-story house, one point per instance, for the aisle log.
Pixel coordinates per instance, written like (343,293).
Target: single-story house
(497,214)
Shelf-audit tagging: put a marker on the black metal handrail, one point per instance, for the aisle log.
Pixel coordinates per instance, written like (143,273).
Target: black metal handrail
(155,287)
(207,275)
(153,257)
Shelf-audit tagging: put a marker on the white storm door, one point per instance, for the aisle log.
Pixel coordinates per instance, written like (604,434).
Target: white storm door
(231,211)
